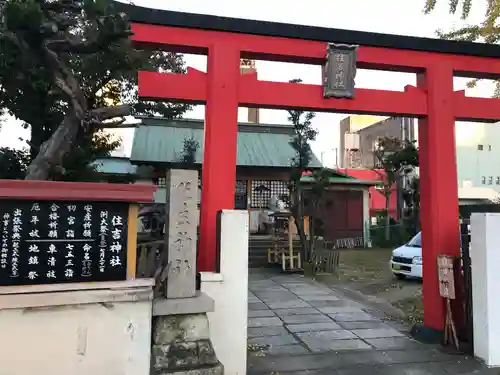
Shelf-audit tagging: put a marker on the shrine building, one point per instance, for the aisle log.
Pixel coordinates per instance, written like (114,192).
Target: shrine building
(264,158)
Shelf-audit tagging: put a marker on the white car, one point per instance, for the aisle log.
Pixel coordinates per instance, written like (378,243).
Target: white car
(406,260)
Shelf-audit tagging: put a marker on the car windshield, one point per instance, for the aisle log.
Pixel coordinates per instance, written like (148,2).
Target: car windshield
(416,241)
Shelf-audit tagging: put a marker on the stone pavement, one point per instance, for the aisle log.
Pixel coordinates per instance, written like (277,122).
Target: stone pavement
(297,326)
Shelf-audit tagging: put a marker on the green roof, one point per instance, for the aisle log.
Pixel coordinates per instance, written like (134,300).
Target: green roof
(259,145)
(339,178)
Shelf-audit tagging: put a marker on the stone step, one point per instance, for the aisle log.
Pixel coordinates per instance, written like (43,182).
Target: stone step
(210,370)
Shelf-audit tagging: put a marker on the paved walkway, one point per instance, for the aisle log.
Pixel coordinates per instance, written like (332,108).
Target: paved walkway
(297,326)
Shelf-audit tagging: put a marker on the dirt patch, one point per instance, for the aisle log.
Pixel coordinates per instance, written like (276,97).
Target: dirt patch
(367,271)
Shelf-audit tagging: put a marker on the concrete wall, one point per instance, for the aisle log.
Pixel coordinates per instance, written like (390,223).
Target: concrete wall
(229,290)
(485,257)
(52,330)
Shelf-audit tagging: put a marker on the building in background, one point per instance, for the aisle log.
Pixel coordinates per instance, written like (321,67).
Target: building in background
(349,152)
(477,153)
(248,67)
(478,160)
(358,140)
(359,135)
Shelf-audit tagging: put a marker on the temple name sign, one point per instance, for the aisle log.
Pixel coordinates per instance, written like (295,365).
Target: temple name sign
(340,71)
(48,242)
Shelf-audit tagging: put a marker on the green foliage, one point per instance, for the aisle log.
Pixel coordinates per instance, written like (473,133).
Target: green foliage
(300,142)
(321,181)
(394,158)
(77,163)
(46,45)
(13,163)
(412,194)
(398,235)
(464,6)
(486,31)
(304,133)
(189,150)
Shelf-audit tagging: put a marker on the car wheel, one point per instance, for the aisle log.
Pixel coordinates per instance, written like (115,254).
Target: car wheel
(400,277)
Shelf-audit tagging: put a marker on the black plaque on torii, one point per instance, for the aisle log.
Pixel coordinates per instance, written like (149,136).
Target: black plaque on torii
(340,71)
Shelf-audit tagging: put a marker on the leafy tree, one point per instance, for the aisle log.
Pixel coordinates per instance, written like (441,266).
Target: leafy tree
(13,163)
(313,195)
(300,142)
(411,196)
(189,149)
(65,67)
(393,159)
(487,31)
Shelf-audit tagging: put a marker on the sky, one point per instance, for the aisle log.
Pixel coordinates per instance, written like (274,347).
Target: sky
(404,17)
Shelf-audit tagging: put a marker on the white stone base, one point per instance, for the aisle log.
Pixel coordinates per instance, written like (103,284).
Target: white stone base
(229,290)
(55,330)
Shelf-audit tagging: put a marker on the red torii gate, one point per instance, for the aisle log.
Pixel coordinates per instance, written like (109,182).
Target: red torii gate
(223,89)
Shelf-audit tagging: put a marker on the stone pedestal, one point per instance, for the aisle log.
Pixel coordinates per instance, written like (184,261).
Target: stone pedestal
(181,338)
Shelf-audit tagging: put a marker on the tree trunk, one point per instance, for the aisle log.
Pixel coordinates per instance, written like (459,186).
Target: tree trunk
(312,227)
(387,217)
(298,215)
(53,150)
(299,223)
(311,235)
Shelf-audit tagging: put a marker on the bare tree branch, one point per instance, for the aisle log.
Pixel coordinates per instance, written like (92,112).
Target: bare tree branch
(79,46)
(107,113)
(76,44)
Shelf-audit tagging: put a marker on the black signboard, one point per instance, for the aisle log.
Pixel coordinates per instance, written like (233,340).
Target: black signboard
(47,242)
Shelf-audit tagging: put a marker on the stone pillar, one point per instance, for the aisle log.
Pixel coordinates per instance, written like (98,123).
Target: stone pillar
(485,258)
(180,232)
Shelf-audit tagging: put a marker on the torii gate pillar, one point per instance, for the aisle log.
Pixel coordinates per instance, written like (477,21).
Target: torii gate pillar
(438,189)
(220,146)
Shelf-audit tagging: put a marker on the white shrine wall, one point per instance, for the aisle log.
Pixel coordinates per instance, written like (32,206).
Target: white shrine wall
(95,328)
(229,290)
(485,258)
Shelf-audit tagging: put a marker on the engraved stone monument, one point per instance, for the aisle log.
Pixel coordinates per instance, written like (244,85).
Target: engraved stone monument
(180,232)
(340,71)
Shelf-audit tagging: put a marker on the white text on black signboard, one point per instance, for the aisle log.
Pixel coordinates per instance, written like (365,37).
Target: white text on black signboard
(45,242)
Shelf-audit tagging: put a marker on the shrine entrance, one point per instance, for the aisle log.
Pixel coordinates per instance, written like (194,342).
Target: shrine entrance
(434,102)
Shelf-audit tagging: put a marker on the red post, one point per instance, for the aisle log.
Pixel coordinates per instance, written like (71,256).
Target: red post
(438,188)
(220,143)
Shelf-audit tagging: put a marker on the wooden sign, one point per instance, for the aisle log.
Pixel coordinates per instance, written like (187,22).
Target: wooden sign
(47,242)
(446,276)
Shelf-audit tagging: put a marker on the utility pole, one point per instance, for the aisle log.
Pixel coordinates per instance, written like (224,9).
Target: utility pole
(335,151)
